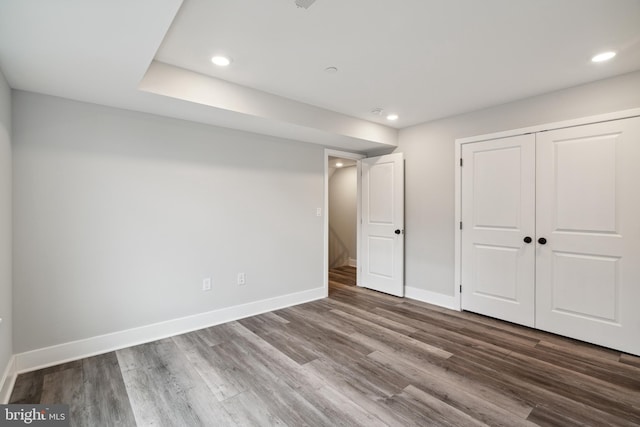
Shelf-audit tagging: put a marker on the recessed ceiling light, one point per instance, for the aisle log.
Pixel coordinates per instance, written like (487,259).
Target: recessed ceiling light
(604,56)
(377,111)
(339,165)
(392,117)
(331,70)
(221,61)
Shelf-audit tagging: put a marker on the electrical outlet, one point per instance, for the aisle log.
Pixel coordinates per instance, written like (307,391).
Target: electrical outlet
(242,279)
(206,284)
(318,211)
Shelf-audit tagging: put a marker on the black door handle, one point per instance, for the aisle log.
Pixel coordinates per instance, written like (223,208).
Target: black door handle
(542,241)
(528,239)
(398,231)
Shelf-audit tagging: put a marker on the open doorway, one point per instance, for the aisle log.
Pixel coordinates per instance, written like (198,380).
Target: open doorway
(342,222)
(379,221)
(341,219)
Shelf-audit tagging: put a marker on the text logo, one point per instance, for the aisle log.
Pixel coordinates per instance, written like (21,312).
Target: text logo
(34,415)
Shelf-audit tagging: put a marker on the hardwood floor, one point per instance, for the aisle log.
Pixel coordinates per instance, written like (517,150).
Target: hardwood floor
(355,358)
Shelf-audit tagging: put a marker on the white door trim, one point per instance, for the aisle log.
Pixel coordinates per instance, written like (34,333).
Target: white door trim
(521,131)
(634,112)
(345,155)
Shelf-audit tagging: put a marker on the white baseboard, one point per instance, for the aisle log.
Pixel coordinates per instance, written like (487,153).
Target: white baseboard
(447,301)
(353,262)
(62,353)
(7,381)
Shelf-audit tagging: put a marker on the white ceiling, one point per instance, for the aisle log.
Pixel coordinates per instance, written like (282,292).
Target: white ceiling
(423,59)
(345,163)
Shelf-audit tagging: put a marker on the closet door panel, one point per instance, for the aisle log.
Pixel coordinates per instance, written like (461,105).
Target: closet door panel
(588,210)
(498,196)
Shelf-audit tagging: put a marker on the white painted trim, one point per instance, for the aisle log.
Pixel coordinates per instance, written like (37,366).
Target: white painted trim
(344,155)
(353,262)
(446,301)
(457,217)
(553,126)
(617,115)
(358,218)
(54,355)
(8,380)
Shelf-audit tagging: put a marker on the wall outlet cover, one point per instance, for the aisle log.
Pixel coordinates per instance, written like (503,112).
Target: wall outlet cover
(242,279)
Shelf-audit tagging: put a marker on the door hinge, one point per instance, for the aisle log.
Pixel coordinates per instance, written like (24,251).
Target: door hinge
(460,225)
(460,288)
(460,161)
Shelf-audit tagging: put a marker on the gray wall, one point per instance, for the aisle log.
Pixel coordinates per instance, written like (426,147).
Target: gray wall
(6,347)
(119,215)
(429,153)
(343,206)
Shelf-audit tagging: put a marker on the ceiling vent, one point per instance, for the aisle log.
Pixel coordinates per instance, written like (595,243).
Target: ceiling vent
(305,3)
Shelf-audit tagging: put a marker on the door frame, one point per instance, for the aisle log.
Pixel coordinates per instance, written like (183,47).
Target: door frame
(345,155)
(635,112)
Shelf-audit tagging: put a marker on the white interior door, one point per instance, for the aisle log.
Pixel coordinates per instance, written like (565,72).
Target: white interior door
(498,208)
(381,249)
(588,210)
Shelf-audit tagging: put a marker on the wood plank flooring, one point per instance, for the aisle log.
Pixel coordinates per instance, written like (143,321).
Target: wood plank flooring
(357,358)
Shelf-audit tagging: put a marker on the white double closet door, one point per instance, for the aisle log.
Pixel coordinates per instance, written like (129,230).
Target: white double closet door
(551,231)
